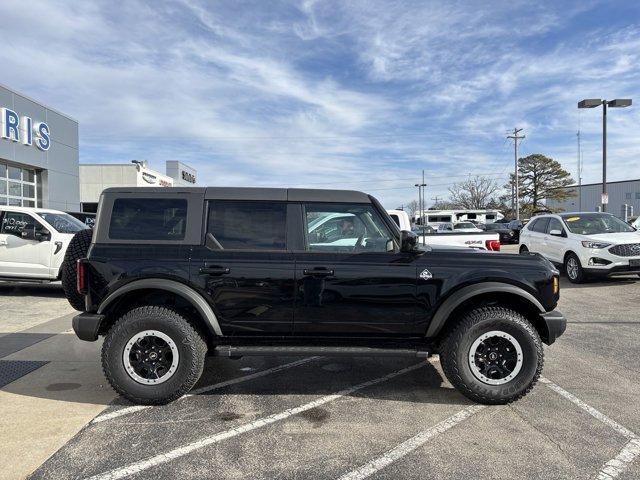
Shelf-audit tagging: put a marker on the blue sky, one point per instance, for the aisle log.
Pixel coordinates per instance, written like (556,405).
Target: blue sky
(326,94)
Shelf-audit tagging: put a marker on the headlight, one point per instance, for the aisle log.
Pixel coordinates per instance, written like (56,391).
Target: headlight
(589,244)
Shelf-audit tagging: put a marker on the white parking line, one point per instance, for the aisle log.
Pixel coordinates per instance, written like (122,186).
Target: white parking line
(140,466)
(411,444)
(619,464)
(208,388)
(629,452)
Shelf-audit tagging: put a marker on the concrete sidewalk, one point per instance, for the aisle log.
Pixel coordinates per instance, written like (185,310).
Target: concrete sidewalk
(44,409)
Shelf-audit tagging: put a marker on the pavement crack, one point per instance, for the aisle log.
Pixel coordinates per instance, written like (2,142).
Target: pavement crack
(544,434)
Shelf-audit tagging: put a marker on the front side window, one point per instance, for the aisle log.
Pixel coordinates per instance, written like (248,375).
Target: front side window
(63,222)
(148,219)
(346,228)
(14,223)
(463,226)
(554,224)
(246,225)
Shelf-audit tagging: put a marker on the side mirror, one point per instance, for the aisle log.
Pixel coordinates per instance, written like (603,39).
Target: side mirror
(408,241)
(556,233)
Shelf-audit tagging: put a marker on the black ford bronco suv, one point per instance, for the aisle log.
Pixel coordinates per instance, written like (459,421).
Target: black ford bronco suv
(171,275)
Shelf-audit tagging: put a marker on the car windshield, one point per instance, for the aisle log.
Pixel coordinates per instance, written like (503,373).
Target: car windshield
(463,225)
(595,223)
(494,226)
(63,222)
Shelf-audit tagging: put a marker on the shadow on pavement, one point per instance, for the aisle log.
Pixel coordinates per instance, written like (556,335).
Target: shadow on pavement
(423,385)
(51,290)
(599,282)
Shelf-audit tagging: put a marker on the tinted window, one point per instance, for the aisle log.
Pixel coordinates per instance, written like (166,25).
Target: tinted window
(539,225)
(148,219)
(13,223)
(248,225)
(345,228)
(396,219)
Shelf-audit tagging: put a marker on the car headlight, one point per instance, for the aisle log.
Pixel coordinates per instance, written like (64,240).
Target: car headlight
(590,244)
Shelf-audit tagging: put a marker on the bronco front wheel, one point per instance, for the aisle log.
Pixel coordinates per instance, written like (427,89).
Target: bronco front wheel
(493,356)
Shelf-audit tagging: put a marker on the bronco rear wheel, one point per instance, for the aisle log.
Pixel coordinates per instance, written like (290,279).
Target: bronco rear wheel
(493,356)
(153,355)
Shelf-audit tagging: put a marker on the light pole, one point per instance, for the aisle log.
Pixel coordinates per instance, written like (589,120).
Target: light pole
(421,199)
(595,102)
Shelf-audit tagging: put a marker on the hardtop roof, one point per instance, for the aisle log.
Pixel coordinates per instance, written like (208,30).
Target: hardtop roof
(254,193)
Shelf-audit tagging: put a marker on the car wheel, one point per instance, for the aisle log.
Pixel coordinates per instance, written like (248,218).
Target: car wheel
(493,356)
(524,249)
(573,268)
(77,248)
(152,355)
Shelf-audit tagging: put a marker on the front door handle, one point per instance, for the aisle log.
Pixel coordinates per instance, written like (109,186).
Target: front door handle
(214,270)
(318,272)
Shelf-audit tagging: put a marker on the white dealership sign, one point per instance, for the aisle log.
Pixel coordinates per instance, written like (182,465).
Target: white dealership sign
(24,130)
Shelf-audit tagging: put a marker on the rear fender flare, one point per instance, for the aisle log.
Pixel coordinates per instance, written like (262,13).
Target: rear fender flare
(457,298)
(184,291)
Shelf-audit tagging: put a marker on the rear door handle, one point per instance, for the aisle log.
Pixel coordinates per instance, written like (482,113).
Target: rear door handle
(318,272)
(214,270)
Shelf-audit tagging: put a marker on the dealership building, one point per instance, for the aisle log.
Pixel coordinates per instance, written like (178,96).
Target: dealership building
(39,161)
(623,198)
(94,178)
(38,154)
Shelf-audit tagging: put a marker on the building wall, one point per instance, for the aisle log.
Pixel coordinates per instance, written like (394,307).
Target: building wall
(57,168)
(181,173)
(620,193)
(94,178)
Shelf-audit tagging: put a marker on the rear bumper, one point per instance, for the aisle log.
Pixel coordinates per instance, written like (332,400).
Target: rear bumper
(86,326)
(555,324)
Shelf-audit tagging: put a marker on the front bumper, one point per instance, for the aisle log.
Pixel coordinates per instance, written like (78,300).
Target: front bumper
(86,326)
(555,324)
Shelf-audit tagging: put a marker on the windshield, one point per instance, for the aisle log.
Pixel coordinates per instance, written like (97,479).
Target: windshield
(62,222)
(463,225)
(594,223)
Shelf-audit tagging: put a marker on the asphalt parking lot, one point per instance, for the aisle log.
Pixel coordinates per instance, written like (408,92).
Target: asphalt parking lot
(351,418)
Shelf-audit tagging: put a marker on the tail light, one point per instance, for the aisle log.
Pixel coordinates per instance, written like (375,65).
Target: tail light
(81,277)
(493,245)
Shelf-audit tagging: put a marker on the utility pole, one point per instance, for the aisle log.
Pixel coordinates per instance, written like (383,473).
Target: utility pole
(516,193)
(579,174)
(435,199)
(421,203)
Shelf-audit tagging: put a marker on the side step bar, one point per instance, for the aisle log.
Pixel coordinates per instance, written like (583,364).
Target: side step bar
(239,351)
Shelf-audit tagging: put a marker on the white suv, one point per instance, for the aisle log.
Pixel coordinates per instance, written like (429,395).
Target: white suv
(586,243)
(33,242)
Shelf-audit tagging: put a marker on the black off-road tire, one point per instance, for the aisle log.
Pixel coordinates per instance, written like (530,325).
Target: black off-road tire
(191,346)
(455,349)
(78,247)
(523,249)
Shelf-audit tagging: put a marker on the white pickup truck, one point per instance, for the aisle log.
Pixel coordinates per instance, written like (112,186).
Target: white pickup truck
(33,242)
(480,240)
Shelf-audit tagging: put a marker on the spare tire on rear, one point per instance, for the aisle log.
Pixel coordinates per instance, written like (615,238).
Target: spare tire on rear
(78,247)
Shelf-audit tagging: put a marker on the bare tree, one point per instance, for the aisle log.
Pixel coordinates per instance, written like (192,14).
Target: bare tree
(412,208)
(474,193)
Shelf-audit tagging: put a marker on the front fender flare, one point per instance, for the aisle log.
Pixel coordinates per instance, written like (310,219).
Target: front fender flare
(457,298)
(186,292)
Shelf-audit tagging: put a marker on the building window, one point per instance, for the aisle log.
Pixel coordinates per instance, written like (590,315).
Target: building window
(627,195)
(18,186)
(637,195)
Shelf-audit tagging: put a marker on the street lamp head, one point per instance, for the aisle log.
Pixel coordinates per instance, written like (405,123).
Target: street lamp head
(589,103)
(619,102)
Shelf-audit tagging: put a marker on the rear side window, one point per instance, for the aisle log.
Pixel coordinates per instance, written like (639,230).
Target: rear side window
(248,225)
(148,219)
